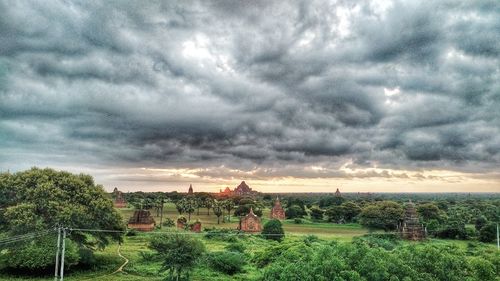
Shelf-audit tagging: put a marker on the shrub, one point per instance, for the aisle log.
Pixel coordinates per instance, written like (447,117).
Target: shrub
(273,230)
(223,234)
(488,233)
(236,247)
(309,239)
(227,262)
(294,212)
(131,232)
(169,222)
(297,220)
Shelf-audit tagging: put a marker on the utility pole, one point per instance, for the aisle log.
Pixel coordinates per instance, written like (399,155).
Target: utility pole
(62,254)
(57,253)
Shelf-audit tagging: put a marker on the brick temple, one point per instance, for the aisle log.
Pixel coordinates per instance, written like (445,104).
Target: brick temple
(410,228)
(277,211)
(142,221)
(250,223)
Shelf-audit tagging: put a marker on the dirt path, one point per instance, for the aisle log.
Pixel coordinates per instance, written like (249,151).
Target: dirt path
(120,269)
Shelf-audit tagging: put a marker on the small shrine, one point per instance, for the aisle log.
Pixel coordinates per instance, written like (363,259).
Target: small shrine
(410,228)
(250,223)
(142,221)
(277,211)
(119,201)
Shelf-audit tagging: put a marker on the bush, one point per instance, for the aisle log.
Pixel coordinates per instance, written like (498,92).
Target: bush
(227,262)
(236,247)
(295,212)
(131,232)
(273,230)
(309,239)
(169,222)
(223,234)
(298,221)
(488,233)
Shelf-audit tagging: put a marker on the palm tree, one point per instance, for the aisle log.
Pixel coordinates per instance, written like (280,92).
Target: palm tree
(208,203)
(218,207)
(228,205)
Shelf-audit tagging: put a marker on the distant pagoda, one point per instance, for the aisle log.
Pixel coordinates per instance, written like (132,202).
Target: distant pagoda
(337,193)
(119,201)
(190,190)
(277,211)
(410,228)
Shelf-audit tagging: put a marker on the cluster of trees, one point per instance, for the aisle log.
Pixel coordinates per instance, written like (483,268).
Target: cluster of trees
(34,202)
(360,261)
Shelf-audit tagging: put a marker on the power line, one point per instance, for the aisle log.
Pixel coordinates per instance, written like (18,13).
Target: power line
(30,236)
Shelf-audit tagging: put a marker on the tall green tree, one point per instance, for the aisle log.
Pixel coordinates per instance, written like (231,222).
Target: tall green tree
(40,199)
(178,253)
(384,215)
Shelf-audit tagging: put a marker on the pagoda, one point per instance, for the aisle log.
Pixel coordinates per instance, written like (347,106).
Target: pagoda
(119,201)
(337,193)
(250,223)
(190,190)
(410,228)
(142,221)
(277,211)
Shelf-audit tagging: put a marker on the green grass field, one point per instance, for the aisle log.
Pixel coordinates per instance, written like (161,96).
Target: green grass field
(139,269)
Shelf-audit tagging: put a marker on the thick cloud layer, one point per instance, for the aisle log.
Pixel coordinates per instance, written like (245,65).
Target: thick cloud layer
(266,86)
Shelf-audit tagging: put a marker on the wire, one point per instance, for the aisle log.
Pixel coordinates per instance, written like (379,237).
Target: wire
(30,236)
(23,236)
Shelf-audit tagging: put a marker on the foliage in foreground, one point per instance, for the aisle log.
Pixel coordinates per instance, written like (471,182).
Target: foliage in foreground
(227,262)
(178,253)
(273,230)
(361,261)
(36,200)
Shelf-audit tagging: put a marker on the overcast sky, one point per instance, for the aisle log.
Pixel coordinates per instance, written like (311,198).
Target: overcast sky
(287,95)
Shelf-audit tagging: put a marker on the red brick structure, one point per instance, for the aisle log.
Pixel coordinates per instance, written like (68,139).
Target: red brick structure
(119,201)
(142,221)
(250,223)
(196,227)
(190,190)
(411,229)
(277,211)
(241,190)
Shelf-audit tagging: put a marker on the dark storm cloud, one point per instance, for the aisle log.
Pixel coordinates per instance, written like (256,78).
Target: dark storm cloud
(241,84)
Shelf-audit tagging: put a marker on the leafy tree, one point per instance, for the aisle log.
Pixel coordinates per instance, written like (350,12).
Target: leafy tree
(480,222)
(384,214)
(42,198)
(335,214)
(429,211)
(317,213)
(488,233)
(186,205)
(273,230)
(350,210)
(243,210)
(295,211)
(177,252)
